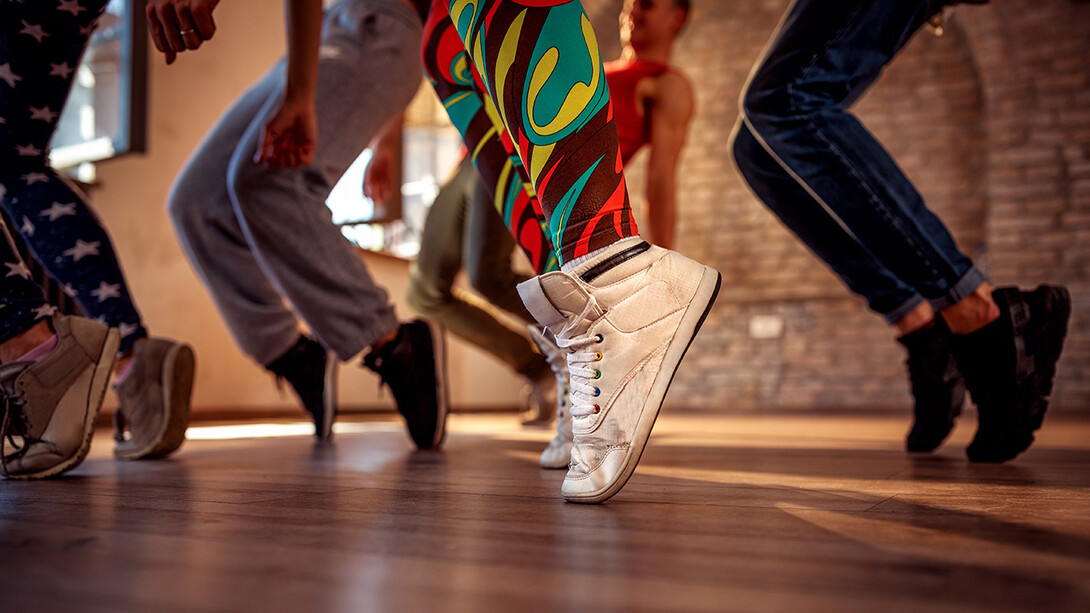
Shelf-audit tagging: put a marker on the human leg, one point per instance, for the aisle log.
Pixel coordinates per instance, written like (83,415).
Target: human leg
(487,248)
(472,112)
(445,240)
(282,212)
(210,234)
(52,216)
(937,387)
(823,57)
(364,79)
(624,312)
(53,375)
(60,228)
(555,104)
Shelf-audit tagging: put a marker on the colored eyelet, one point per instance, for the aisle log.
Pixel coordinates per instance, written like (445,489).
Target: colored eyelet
(597,374)
(597,409)
(599,338)
(597,392)
(597,356)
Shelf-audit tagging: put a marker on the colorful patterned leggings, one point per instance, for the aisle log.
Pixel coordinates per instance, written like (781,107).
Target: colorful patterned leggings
(543,138)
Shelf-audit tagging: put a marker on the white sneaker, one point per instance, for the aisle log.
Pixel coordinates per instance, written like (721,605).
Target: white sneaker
(558,453)
(625,319)
(538,402)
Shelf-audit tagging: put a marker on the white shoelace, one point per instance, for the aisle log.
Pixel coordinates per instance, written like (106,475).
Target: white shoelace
(582,374)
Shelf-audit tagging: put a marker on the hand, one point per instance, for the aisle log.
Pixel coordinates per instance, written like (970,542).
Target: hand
(290,137)
(378,178)
(178,25)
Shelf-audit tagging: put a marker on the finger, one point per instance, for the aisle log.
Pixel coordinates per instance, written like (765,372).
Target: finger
(295,159)
(156,30)
(306,155)
(264,147)
(202,20)
(190,38)
(158,37)
(171,30)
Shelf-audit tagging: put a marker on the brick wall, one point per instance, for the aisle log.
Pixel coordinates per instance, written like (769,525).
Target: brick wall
(992,123)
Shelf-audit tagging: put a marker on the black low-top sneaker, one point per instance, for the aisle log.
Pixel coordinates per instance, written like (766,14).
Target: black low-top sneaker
(1009,366)
(311,370)
(937,386)
(414,367)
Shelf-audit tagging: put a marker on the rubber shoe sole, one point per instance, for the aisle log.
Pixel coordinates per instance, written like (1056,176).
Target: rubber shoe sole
(177,375)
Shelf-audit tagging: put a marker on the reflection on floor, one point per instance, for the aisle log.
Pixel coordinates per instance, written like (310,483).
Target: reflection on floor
(735,513)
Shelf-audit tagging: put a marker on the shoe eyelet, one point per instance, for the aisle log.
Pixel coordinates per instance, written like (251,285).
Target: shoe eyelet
(597,356)
(597,392)
(597,374)
(599,338)
(597,409)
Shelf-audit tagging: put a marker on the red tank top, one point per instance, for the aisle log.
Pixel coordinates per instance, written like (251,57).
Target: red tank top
(633,128)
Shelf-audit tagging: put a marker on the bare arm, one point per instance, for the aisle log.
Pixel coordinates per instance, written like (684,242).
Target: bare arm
(303,22)
(291,135)
(378,178)
(671,110)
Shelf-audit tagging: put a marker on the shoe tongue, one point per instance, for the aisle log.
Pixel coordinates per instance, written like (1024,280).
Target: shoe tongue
(553,299)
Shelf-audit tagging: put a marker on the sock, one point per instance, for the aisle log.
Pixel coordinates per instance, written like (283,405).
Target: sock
(40,351)
(622,244)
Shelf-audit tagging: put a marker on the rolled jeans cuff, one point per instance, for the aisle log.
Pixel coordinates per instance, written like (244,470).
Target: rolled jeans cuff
(900,312)
(966,285)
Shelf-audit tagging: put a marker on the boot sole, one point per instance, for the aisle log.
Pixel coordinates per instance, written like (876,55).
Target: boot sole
(99,382)
(442,391)
(177,374)
(329,396)
(706,295)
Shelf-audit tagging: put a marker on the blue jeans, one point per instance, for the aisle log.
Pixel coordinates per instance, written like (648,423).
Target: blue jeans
(825,176)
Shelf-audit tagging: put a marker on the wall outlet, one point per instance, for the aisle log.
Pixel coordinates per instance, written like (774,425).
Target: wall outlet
(766,326)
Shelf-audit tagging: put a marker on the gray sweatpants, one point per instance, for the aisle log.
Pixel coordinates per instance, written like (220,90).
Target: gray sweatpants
(256,236)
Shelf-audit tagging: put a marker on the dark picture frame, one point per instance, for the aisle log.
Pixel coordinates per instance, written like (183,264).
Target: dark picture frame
(106,113)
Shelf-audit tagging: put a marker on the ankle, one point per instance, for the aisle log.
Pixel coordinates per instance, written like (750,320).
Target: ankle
(24,342)
(385,340)
(973,312)
(917,319)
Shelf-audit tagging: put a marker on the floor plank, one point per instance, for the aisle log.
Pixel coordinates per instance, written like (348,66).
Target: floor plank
(726,513)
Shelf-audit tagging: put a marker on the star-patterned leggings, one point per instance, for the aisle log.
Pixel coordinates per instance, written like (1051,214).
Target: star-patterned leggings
(538,61)
(41,43)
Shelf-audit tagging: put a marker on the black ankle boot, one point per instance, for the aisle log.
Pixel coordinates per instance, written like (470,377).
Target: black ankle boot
(1009,366)
(413,366)
(937,386)
(312,372)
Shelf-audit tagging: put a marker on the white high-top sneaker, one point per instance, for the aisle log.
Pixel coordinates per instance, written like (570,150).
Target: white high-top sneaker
(558,453)
(625,319)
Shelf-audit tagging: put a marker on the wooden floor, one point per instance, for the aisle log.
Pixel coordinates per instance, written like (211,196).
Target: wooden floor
(726,513)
